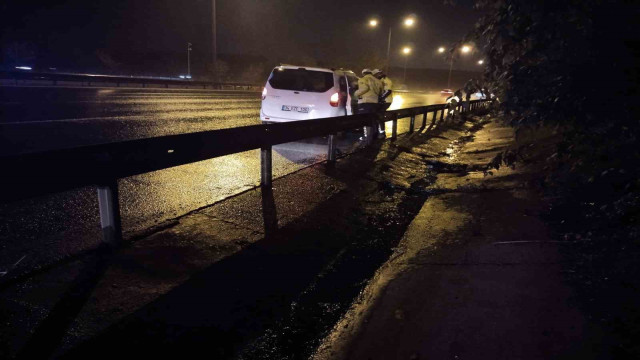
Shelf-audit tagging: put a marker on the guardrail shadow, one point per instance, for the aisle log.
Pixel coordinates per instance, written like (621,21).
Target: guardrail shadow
(222,308)
(50,332)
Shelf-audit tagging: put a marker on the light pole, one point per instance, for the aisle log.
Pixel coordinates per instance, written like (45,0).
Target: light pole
(189,60)
(405,51)
(465,49)
(408,22)
(214,36)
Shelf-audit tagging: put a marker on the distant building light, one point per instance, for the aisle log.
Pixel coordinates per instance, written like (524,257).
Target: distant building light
(24,68)
(188,76)
(182,77)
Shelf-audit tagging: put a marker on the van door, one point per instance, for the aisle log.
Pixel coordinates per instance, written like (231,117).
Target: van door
(344,94)
(352,83)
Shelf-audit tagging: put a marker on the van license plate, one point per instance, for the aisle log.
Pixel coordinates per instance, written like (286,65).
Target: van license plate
(295,108)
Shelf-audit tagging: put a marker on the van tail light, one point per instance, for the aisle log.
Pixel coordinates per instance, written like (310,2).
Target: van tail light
(335,100)
(264,93)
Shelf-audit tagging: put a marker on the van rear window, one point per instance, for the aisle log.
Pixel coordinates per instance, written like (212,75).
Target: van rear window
(301,80)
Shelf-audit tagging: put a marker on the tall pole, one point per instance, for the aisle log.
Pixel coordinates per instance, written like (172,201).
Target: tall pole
(386,71)
(189,59)
(404,77)
(215,39)
(450,68)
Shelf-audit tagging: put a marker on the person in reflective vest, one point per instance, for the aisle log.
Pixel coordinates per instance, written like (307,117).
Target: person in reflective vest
(386,98)
(368,94)
(452,103)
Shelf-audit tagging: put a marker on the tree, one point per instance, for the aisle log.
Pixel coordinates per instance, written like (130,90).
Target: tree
(572,65)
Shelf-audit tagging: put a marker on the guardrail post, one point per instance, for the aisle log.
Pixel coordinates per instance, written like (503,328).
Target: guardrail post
(110,213)
(424,121)
(331,156)
(442,115)
(394,128)
(266,175)
(435,118)
(412,123)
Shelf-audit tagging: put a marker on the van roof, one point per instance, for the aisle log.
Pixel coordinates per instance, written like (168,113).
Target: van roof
(289,66)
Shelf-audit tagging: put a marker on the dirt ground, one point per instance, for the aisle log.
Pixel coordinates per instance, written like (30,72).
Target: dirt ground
(477,275)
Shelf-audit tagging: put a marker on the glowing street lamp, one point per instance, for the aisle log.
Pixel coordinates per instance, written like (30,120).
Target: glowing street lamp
(465,49)
(408,22)
(406,50)
(480,62)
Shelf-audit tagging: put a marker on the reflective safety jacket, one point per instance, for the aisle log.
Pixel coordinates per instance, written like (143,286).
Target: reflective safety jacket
(388,84)
(369,90)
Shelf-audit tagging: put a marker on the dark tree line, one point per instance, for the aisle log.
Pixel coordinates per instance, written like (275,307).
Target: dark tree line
(572,66)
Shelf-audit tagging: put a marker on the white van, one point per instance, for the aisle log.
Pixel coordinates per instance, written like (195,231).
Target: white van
(303,93)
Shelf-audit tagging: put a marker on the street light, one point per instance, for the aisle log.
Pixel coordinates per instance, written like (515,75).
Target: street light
(214,35)
(408,22)
(465,49)
(405,51)
(480,62)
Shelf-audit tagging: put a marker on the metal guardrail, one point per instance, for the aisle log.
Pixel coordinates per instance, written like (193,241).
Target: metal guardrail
(101,165)
(56,78)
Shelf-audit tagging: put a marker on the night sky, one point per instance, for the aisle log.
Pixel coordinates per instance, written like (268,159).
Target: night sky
(316,29)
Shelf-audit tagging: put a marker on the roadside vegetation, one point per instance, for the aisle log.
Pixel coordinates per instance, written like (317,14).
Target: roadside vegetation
(570,68)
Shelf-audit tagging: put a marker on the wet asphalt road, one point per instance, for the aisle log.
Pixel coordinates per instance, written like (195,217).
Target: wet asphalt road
(41,118)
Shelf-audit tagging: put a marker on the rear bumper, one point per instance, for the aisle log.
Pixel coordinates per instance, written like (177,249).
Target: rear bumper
(270,119)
